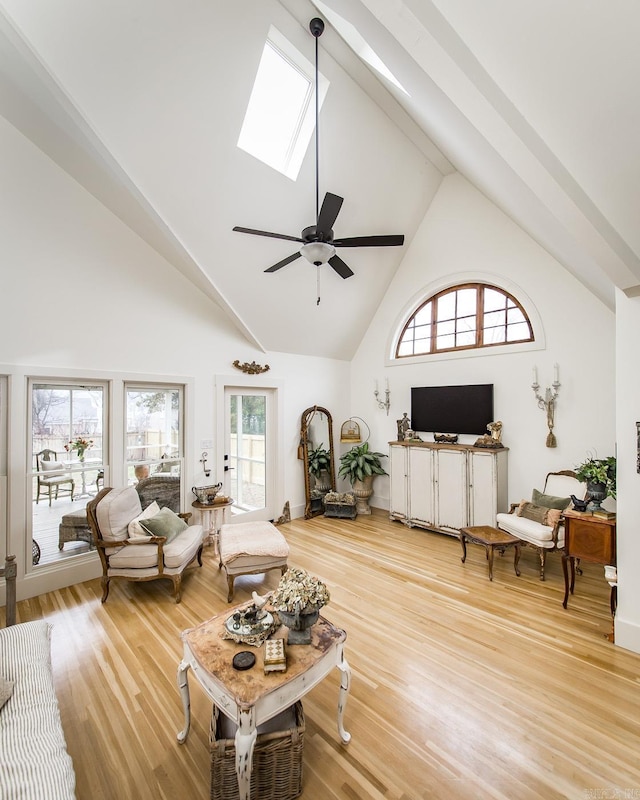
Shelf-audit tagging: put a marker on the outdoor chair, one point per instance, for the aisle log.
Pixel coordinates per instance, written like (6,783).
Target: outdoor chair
(50,476)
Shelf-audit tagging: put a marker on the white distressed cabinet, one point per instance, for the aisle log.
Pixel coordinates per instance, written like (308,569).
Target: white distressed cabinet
(446,487)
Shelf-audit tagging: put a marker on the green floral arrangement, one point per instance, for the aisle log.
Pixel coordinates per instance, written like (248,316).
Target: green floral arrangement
(299,590)
(79,445)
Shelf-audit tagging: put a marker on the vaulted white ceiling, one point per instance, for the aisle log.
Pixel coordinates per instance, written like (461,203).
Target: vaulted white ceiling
(141,101)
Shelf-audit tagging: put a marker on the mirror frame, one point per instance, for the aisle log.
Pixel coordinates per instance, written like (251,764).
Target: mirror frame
(305,421)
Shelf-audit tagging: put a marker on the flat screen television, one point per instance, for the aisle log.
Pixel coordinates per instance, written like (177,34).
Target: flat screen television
(452,409)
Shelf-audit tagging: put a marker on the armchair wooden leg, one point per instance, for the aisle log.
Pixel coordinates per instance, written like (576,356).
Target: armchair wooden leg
(543,559)
(105,589)
(177,588)
(230,580)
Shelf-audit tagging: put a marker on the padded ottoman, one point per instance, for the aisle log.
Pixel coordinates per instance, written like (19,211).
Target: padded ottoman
(74,527)
(248,548)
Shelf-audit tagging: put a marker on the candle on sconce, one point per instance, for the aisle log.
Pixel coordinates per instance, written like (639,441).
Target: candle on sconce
(375,385)
(535,375)
(556,373)
(386,384)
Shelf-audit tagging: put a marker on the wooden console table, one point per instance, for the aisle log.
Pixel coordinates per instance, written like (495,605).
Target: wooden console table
(588,538)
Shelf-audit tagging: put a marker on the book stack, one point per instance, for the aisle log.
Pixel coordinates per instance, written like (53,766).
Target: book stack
(275,659)
(602,513)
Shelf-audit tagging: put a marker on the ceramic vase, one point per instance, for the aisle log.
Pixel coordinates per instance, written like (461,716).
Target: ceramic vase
(299,624)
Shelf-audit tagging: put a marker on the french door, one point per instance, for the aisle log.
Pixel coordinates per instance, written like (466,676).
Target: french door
(249,451)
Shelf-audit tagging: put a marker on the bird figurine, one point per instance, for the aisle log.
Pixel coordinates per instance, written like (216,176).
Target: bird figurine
(579,505)
(260,601)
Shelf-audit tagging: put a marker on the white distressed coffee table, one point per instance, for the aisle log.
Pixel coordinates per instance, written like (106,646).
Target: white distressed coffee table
(251,697)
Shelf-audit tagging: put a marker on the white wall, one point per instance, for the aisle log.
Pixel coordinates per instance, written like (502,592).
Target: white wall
(83,296)
(628,507)
(464,236)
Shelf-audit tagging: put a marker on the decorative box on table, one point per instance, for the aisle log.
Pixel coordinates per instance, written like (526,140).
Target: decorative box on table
(276,773)
(337,504)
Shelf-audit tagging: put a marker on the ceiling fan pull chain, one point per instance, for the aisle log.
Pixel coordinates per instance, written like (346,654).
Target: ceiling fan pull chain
(318,284)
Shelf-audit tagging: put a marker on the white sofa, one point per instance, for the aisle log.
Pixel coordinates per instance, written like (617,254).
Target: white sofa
(530,524)
(34,762)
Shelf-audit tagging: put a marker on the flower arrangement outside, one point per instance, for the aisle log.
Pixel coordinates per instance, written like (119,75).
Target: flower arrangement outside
(298,590)
(79,445)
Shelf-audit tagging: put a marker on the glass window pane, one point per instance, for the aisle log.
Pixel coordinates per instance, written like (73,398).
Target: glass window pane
(515,315)
(444,328)
(405,349)
(495,318)
(466,339)
(466,324)
(493,335)
(445,342)
(466,302)
(446,308)
(153,425)
(423,316)
(493,300)
(518,332)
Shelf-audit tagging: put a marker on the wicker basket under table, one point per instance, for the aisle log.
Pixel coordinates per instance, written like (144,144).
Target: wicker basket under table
(276,772)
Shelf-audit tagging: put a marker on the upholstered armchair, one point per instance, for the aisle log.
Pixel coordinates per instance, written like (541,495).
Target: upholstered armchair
(137,544)
(538,522)
(51,477)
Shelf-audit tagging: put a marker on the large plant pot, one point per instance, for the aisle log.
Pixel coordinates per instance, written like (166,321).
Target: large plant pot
(597,493)
(363,491)
(323,481)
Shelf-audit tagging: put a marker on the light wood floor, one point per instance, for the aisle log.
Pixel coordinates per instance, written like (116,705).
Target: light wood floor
(461,688)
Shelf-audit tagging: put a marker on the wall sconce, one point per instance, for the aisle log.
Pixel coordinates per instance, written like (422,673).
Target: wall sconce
(548,402)
(386,404)
(203,461)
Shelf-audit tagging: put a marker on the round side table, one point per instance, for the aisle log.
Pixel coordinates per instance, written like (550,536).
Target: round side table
(213,517)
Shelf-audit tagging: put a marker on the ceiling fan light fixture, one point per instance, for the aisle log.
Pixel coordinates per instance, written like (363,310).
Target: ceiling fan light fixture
(318,252)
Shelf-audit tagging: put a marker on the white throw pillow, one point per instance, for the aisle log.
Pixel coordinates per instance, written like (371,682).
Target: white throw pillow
(136,531)
(51,466)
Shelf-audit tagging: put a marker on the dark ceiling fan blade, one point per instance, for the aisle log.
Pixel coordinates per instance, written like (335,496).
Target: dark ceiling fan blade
(267,233)
(370,241)
(330,209)
(284,262)
(340,267)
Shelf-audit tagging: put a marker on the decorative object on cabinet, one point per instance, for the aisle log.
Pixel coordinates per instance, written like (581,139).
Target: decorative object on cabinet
(360,466)
(579,505)
(386,403)
(445,487)
(493,438)
(404,425)
(445,438)
(316,427)
(537,527)
(548,402)
(600,476)
(252,368)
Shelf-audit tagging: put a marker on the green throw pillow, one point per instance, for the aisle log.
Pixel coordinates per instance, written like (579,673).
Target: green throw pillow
(549,500)
(165,523)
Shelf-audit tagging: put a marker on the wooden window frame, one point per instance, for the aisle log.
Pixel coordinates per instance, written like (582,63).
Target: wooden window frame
(479,342)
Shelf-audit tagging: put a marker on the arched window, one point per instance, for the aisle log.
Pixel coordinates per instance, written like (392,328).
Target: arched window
(464,317)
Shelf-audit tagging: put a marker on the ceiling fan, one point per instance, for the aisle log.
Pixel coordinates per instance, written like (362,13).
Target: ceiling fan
(318,244)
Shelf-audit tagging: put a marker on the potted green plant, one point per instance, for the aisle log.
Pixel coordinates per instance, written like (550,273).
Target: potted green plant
(360,466)
(600,476)
(319,464)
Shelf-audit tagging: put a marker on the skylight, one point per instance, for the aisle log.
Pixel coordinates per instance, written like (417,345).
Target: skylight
(358,44)
(280,117)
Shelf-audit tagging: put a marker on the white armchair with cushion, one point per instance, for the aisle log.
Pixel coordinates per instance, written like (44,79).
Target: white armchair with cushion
(537,522)
(141,545)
